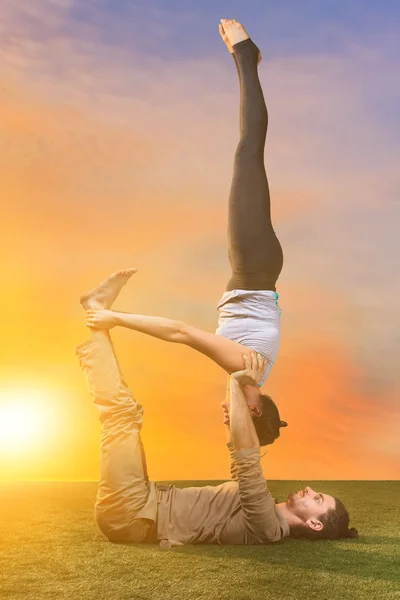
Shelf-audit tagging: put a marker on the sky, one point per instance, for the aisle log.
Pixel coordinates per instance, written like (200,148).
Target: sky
(119,123)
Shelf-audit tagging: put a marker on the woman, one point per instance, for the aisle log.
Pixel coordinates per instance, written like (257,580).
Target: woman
(249,312)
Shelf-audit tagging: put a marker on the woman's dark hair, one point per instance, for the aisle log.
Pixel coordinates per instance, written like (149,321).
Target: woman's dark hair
(268,424)
(336,525)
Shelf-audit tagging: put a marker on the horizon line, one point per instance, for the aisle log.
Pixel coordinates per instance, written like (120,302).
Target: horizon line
(2,481)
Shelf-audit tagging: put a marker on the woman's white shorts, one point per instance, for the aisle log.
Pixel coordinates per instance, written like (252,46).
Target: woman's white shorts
(252,318)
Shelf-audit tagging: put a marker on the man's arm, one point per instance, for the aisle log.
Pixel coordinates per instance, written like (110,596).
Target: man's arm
(228,388)
(258,506)
(241,423)
(231,449)
(228,435)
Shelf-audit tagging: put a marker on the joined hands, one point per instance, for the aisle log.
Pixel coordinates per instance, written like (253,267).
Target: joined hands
(252,374)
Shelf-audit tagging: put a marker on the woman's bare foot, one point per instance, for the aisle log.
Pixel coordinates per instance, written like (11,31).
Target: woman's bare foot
(225,38)
(101,319)
(107,291)
(234,33)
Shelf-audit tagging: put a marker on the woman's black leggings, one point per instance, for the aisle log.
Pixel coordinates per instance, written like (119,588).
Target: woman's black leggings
(255,253)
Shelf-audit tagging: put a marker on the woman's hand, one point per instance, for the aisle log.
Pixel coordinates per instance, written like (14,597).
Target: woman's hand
(255,366)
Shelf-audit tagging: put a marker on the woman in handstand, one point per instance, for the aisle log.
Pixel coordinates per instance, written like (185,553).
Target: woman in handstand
(248,310)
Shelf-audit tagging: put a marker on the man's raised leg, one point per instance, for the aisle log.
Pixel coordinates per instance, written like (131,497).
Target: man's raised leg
(126,504)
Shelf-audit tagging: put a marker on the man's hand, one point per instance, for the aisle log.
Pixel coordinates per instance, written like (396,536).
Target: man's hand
(101,319)
(255,366)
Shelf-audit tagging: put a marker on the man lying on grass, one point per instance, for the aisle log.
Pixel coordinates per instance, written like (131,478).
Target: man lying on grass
(130,508)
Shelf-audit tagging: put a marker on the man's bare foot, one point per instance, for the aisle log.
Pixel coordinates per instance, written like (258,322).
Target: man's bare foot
(235,33)
(107,291)
(101,319)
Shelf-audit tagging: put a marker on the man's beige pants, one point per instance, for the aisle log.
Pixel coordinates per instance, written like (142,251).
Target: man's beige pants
(123,511)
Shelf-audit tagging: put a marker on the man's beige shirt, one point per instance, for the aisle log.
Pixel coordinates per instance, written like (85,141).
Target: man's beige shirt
(241,511)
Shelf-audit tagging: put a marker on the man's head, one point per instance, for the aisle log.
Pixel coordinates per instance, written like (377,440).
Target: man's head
(315,515)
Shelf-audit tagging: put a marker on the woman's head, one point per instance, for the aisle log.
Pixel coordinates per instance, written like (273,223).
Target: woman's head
(267,421)
(264,412)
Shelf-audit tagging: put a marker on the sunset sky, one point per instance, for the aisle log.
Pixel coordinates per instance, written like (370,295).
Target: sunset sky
(119,122)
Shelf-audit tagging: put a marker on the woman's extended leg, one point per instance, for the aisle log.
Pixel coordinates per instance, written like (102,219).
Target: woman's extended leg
(255,253)
(225,352)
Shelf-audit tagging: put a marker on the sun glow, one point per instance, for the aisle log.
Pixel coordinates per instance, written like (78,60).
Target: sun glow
(23,419)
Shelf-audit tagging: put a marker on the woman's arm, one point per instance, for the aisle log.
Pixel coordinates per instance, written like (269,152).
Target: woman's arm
(226,353)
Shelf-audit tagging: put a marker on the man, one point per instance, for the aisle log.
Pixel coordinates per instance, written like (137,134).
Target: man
(130,508)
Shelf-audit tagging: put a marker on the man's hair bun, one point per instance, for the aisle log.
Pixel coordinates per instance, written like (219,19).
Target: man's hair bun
(352,533)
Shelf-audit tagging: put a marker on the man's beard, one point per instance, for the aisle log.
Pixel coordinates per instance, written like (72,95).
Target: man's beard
(291,499)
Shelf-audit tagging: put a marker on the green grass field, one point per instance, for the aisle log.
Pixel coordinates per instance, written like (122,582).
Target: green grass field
(50,548)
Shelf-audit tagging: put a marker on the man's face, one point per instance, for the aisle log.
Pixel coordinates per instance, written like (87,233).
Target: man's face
(309,505)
